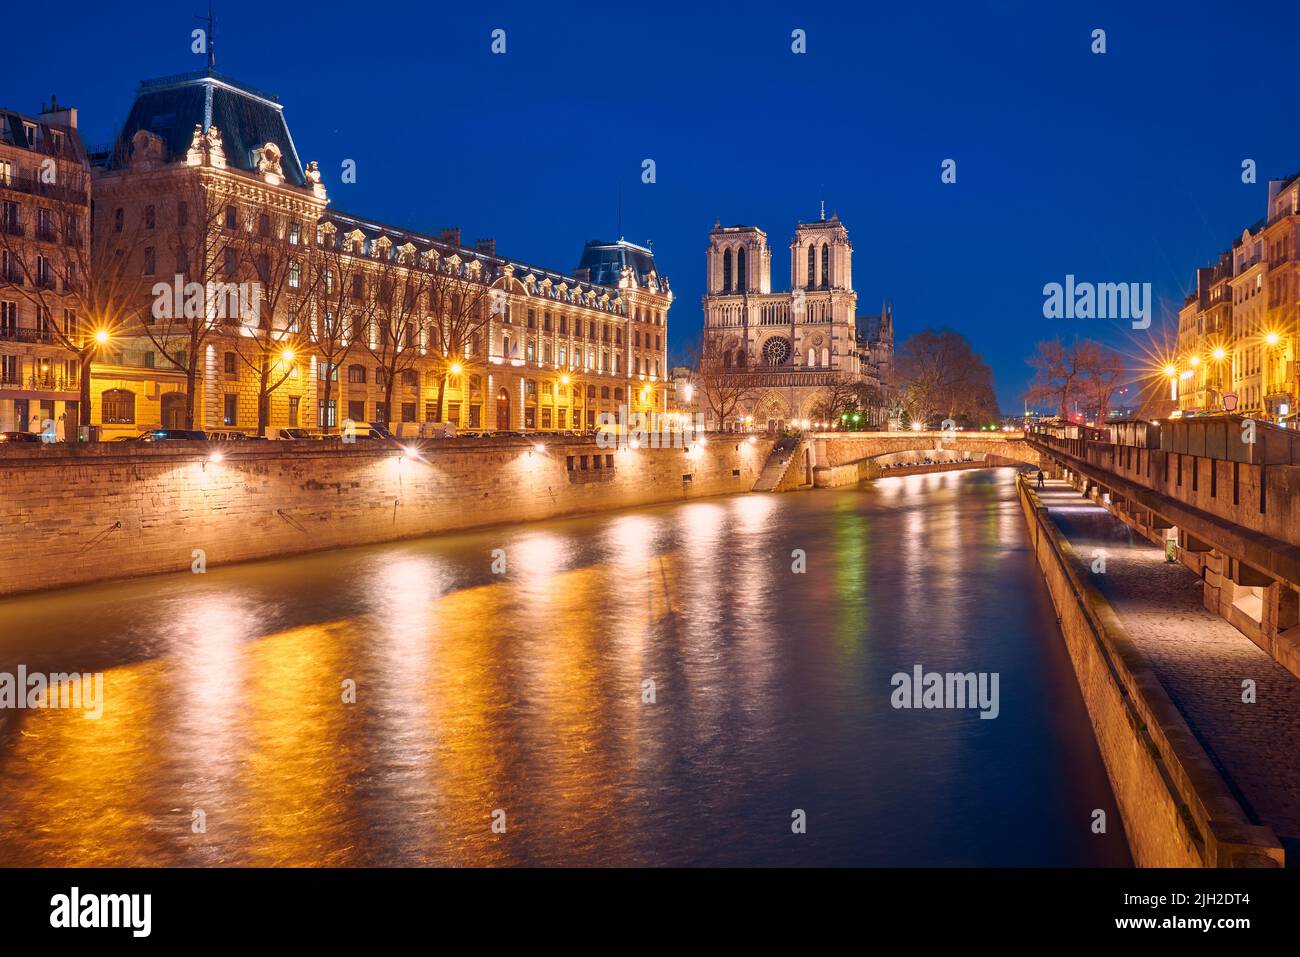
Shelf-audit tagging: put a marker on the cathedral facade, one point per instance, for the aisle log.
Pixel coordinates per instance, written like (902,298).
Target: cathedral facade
(803,350)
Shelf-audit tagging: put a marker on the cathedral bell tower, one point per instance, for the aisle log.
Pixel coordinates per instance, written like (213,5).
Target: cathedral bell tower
(739,261)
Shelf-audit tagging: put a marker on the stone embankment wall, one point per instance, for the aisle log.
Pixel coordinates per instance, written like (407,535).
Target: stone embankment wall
(80,513)
(1177,809)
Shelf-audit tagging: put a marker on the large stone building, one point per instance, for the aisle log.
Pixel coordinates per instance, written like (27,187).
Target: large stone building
(306,316)
(799,346)
(1237,333)
(44,230)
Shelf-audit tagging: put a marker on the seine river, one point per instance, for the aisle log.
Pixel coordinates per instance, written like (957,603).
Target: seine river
(658,686)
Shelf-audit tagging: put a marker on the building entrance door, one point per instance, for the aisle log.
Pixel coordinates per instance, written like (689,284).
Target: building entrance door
(503,411)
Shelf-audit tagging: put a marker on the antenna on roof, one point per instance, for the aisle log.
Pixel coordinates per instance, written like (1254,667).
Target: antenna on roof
(211,21)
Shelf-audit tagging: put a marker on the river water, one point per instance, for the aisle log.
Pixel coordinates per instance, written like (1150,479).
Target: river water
(521,698)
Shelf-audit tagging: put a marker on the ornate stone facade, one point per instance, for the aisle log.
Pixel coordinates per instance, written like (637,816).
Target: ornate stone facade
(544,351)
(798,345)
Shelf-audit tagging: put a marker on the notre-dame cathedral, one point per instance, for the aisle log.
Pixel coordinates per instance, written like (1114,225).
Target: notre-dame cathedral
(796,344)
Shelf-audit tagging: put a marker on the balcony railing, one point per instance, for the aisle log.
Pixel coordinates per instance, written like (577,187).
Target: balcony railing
(21,334)
(42,381)
(33,186)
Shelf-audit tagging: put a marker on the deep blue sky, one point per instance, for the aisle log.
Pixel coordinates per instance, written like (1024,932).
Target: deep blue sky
(1120,167)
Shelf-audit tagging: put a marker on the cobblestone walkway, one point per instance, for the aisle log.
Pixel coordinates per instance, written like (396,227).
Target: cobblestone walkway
(1200,659)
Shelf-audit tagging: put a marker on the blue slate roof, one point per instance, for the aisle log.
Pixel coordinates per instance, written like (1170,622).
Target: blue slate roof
(248,119)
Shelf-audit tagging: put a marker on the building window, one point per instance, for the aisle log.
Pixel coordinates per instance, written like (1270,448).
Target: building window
(357,374)
(740,270)
(293,409)
(230,411)
(726,271)
(408,411)
(357,411)
(293,234)
(295,274)
(229,361)
(150,261)
(812,266)
(326,413)
(118,407)
(232,217)
(826,266)
(150,217)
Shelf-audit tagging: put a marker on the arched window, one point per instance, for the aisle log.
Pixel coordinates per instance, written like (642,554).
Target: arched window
(726,271)
(740,270)
(726,359)
(826,266)
(812,265)
(118,407)
(826,356)
(812,357)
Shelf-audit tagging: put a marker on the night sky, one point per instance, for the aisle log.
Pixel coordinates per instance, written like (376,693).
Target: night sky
(1122,167)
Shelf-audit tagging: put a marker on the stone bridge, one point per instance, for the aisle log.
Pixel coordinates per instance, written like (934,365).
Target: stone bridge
(843,458)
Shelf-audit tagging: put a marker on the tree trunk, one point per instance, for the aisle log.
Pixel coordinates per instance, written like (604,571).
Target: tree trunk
(83,403)
(264,396)
(442,391)
(191,377)
(325,426)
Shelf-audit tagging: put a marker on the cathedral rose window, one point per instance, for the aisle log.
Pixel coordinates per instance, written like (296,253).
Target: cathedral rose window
(776,351)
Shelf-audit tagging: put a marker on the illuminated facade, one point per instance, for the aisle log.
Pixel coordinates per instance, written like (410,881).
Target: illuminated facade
(796,344)
(1237,333)
(44,229)
(205,183)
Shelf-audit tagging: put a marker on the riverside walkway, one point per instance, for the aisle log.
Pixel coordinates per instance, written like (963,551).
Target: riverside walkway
(1200,659)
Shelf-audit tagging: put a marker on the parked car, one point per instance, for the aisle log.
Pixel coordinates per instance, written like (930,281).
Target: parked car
(172,435)
(15,437)
(367,430)
(226,435)
(291,435)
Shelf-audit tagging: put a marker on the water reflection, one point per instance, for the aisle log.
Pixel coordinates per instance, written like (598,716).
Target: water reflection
(377,705)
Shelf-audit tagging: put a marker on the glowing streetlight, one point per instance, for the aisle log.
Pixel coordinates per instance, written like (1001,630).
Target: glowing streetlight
(287,355)
(1272,338)
(1171,372)
(917,426)
(456,368)
(1194,361)
(102,337)
(564,379)
(1220,354)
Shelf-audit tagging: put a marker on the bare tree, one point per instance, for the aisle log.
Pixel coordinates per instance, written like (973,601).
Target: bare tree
(284,272)
(1083,370)
(724,385)
(394,294)
(460,300)
(936,374)
(849,397)
(200,235)
(85,292)
(336,319)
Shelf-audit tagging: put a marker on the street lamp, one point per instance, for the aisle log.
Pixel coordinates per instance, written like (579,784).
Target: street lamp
(455,368)
(102,337)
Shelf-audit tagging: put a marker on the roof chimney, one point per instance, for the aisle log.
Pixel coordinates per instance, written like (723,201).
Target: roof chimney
(59,115)
(450,236)
(487,247)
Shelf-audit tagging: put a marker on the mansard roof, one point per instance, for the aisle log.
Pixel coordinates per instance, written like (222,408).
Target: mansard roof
(13,132)
(248,119)
(607,260)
